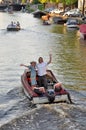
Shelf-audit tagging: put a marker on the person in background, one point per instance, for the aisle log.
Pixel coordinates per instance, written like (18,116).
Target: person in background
(18,24)
(11,23)
(41,69)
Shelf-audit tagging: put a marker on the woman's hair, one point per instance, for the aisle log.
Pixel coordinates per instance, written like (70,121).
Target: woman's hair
(40,59)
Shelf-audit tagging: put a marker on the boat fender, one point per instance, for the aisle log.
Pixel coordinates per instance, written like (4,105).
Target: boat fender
(57,87)
(51,95)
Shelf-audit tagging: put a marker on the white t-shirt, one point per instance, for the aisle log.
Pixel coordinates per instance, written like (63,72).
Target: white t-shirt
(41,67)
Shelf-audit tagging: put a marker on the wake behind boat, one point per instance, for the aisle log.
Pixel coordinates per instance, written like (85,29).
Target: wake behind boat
(13,26)
(51,95)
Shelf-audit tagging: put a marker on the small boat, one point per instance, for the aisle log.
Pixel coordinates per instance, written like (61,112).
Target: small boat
(38,14)
(50,95)
(13,27)
(72,23)
(46,22)
(59,20)
(82,30)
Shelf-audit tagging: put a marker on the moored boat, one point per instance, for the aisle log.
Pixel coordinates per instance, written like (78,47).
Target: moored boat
(72,23)
(51,95)
(59,19)
(38,14)
(82,30)
(46,22)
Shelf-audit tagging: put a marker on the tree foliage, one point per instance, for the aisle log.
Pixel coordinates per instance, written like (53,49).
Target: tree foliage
(66,2)
(70,2)
(43,1)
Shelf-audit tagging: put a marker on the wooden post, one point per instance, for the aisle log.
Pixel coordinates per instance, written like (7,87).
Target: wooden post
(83,7)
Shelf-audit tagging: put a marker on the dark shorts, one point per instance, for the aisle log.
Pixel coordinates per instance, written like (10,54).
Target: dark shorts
(36,90)
(42,81)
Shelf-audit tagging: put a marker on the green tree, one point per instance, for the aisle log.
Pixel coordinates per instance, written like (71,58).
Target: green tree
(43,1)
(65,2)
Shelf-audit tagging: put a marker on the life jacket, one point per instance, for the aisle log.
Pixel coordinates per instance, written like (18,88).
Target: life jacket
(29,79)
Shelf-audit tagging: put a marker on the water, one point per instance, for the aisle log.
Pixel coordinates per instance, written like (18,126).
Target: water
(68,64)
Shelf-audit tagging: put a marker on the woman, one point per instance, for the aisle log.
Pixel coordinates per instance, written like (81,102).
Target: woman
(32,68)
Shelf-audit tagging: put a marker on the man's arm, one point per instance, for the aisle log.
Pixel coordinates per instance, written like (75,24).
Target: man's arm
(50,59)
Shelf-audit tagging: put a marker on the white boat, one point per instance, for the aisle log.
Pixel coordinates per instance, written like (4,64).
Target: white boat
(72,23)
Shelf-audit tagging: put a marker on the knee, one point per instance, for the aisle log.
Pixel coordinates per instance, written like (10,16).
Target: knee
(58,87)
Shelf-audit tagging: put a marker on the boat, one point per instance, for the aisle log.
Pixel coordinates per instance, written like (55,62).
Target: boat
(59,20)
(38,14)
(13,27)
(3,7)
(50,95)
(46,22)
(17,6)
(82,30)
(72,23)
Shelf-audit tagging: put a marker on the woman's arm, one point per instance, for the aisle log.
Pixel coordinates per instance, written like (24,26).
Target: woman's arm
(23,65)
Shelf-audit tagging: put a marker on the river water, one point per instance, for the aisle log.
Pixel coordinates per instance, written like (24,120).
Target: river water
(68,64)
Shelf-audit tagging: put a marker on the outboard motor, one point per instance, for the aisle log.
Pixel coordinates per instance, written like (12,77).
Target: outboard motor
(51,95)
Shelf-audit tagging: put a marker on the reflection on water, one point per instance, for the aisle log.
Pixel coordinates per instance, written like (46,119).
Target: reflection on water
(34,40)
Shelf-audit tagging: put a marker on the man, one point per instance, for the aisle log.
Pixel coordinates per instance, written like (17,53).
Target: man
(41,67)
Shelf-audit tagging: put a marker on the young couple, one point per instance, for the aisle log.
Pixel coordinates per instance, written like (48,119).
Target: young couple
(41,67)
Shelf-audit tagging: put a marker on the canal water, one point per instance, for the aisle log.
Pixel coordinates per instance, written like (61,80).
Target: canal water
(68,64)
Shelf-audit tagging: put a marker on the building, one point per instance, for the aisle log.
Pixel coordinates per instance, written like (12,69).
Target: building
(80,4)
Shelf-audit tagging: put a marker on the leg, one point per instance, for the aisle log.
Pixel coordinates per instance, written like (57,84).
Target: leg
(44,80)
(69,98)
(42,89)
(39,81)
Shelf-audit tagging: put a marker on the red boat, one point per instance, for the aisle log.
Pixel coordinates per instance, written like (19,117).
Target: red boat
(50,95)
(83,31)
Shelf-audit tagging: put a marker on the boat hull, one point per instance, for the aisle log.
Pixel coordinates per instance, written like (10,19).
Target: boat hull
(59,98)
(44,99)
(13,29)
(72,26)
